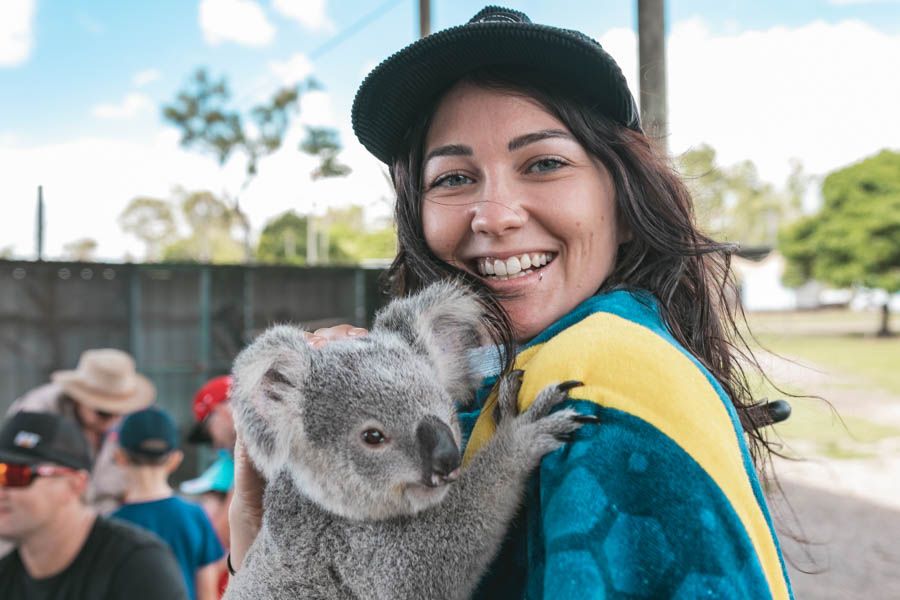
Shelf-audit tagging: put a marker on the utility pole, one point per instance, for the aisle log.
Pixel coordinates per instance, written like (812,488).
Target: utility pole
(424,18)
(39,226)
(652,69)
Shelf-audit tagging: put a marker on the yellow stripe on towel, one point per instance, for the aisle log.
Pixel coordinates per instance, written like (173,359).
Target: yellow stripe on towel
(627,367)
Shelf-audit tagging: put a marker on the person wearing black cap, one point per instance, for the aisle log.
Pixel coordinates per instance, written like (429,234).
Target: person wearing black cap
(149,454)
(64,550)
(520,166)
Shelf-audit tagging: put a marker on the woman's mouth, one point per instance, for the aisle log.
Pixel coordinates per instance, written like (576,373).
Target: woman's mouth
(514,266)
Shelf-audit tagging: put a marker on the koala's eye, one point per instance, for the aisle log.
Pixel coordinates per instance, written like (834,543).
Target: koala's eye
(373,437)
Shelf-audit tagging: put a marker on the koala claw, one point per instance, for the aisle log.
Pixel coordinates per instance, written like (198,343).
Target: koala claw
(565,386)
(587,419)
(508,397)
(549,397)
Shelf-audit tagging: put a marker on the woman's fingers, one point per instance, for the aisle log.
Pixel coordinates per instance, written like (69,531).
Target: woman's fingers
(322,336)
(245,511)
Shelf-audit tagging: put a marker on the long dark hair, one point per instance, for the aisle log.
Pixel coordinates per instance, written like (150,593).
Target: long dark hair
(667,255)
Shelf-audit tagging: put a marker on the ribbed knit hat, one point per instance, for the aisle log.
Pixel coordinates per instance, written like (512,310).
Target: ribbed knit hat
(395,94)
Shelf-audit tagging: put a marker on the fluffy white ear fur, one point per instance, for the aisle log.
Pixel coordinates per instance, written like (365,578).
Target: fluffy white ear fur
(445,321)
(264,375)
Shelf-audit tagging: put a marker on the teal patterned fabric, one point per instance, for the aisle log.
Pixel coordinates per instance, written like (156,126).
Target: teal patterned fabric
(623,511)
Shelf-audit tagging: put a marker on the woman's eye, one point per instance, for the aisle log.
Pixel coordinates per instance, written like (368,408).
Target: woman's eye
(373,437)
(545,164)
(451,180)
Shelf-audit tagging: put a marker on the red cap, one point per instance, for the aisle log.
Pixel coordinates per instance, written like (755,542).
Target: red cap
(214,392)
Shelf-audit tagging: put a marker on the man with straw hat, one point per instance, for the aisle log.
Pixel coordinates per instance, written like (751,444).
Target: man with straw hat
(103,388)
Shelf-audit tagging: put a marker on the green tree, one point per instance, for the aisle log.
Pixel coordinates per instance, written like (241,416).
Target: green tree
(204,113)
(211,239)
(283,240)
(734,203)
(350,240)
(854,240)
(152,221)
(708,185)
(323,142)
(81,250)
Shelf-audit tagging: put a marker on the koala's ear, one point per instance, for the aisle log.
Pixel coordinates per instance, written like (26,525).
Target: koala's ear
(267,377)
(446,321)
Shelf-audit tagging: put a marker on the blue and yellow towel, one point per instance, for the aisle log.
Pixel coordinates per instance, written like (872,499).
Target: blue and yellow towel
(659,500)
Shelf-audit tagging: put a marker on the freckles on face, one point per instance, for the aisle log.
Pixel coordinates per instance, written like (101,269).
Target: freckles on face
(512,197)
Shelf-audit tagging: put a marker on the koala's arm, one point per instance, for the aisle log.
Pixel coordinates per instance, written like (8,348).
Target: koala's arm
(442,552)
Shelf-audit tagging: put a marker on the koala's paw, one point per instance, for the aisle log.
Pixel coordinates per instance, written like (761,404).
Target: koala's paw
(538,432)
(508,397)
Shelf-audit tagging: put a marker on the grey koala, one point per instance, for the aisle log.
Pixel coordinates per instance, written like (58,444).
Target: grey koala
(359,444)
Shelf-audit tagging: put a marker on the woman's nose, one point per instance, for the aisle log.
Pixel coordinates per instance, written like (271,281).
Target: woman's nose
(498,212)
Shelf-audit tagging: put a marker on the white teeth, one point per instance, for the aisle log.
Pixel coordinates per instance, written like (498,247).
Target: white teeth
(514,266)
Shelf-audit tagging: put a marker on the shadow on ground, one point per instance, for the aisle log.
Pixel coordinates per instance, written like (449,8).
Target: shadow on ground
(853,545)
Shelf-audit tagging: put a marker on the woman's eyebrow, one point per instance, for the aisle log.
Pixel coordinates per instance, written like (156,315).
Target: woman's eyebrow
(530,138)
(449,150)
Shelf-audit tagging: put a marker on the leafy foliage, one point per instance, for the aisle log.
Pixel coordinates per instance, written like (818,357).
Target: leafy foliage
(152,221)
(342,238)
(283,240)
(82,249)
(734,203)
(854,240)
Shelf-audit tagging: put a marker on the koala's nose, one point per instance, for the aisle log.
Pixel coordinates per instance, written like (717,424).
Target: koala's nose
(438,450)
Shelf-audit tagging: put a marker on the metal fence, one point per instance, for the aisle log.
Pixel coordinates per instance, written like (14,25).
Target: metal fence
(182,323)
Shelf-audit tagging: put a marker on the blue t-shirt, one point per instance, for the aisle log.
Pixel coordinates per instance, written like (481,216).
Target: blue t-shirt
(184,526)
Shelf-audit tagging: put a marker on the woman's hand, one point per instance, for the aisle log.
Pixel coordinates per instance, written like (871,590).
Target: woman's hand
(320,337)
(245,510)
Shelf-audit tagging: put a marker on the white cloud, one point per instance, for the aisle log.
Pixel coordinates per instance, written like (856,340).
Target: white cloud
(146,77)
(309,13)
(88,182)
(239,21)
(293,70)
(819,92)
(16,31)
(131,105)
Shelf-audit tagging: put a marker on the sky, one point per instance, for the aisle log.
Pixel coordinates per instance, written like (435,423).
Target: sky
(82,86)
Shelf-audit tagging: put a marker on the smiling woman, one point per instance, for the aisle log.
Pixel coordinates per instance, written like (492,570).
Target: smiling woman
(520,167)
(504,182)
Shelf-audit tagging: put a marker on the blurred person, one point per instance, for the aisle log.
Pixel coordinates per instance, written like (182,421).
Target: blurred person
(212,411)
(64,549)
(148,452)
(214,426)
(96,394)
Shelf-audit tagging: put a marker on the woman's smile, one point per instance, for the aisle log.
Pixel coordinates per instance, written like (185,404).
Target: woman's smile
(513,198)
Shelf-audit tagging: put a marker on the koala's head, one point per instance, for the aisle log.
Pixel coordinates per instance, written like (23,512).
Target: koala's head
(367,427)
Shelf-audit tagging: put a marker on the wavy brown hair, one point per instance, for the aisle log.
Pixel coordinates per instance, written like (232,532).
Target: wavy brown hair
(667,255)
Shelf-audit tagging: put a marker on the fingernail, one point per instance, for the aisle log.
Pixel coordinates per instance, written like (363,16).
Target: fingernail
(356,331)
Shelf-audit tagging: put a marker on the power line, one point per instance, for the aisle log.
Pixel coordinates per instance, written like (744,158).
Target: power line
(334,41)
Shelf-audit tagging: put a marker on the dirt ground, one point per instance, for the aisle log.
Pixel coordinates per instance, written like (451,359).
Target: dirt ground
(847,510)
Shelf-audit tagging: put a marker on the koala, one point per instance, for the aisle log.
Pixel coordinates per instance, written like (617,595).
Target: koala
(359,444)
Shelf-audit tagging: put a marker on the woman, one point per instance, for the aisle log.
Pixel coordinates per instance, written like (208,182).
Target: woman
(519,165)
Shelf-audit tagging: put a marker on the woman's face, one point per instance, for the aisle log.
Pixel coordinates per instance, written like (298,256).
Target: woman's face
(513,198)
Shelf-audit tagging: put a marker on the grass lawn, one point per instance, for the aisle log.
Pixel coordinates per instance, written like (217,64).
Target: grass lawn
(841,341)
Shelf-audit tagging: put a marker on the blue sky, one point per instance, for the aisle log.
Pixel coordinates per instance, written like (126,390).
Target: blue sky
(83,82)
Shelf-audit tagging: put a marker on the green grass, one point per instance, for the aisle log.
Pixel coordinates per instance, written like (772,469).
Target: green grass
(840,342)
(875,360)
(813,421)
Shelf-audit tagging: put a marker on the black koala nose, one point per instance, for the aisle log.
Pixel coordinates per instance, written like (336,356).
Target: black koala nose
(438,451)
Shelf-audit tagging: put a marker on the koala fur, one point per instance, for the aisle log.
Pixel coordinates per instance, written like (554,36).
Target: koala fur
(359,444)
